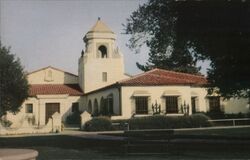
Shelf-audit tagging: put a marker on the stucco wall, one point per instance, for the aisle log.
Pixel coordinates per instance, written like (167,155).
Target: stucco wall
(94,68)
(92,65)
(201,100)
(155,95)
(54,77)
(104,94)
(17,118)
(158,93)
(39,108)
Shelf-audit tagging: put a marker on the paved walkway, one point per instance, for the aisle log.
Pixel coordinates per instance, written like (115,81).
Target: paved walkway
(101,136)
(105,135)
(94,135)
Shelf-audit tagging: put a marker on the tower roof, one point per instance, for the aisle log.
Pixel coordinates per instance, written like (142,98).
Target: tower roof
(100,27)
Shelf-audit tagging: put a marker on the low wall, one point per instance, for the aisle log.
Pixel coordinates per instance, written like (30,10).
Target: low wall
(18,154)
(53,125)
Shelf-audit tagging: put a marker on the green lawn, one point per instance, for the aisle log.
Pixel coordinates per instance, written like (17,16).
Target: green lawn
(63,147)
(225,132)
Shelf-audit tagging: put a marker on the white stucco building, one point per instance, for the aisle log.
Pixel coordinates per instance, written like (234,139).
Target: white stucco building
(102,87)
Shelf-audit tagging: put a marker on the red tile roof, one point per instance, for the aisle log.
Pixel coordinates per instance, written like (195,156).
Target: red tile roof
(44,89)
(164,77)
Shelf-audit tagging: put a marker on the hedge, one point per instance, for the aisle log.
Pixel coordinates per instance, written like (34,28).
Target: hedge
(169,122)
(150,122)
(98,124)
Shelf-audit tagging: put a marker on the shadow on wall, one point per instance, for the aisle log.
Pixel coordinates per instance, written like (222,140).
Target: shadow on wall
(72,114)
(70,78)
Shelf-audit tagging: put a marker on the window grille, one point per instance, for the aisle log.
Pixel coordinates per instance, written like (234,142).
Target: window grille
(141,105)
(172,104)
(214,104)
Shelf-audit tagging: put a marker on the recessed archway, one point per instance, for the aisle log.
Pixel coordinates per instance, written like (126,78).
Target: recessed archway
(95,108)
(103,51)
(90,107)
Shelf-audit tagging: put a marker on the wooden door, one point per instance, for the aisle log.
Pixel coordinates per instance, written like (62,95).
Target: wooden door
(51,108)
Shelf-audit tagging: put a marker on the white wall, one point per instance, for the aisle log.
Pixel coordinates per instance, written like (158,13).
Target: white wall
(57,77)
(185,93)
(91,65)
(18,118)
(104,94)
(201,100)
(39,107)
(94,68)
(156,94)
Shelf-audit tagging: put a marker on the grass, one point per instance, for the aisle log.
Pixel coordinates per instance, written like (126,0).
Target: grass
(63,147)
(225,132)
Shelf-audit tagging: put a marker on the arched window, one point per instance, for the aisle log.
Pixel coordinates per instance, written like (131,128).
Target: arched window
(103,51)
(95,108)
(102,107)
(90,107)
(110,103)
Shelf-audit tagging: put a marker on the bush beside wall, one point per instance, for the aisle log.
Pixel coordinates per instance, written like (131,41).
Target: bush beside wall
(164,122)
(150,122)
(98,124)
(221,115)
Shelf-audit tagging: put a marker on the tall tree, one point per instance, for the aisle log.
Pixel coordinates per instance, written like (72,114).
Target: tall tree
(13,82)
(153,25)
(214,30)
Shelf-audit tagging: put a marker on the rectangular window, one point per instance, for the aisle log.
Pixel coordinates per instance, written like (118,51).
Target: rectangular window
(104,76)
(171,104)
(141,105)
(29,108)
(214,104)
(75,107)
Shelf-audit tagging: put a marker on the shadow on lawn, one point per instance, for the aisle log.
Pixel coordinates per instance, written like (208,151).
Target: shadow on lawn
(68,147)
(59,141)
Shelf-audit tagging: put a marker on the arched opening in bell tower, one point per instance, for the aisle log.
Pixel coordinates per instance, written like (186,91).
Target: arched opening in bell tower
(103,51)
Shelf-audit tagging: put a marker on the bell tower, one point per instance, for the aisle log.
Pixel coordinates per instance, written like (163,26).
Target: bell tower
(102,63)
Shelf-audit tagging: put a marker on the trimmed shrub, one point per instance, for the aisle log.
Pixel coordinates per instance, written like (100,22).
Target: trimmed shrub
(164,122)
(215,115)
(150,122)
(122,124)
(98,124)
(5,123)
(221,115)
(200,120)
(120,121)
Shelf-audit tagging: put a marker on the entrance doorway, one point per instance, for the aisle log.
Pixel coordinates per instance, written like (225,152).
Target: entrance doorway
(50,109)
(193,104)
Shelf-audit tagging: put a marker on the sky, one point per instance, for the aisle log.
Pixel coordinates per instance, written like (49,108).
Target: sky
(49,32)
